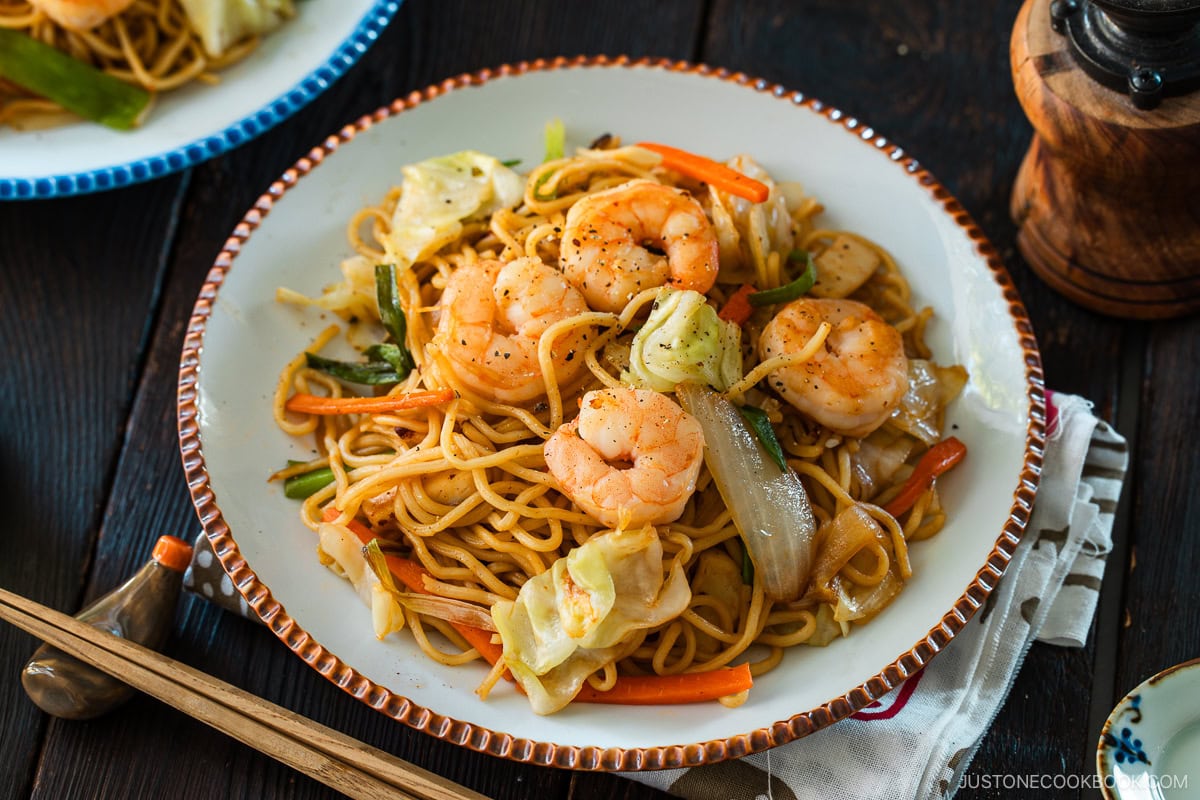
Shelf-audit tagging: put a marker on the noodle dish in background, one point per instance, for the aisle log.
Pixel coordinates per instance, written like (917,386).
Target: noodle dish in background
(604,411)
(105,93)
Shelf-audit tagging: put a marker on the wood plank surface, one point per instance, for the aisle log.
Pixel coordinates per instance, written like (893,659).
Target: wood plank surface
(95,292)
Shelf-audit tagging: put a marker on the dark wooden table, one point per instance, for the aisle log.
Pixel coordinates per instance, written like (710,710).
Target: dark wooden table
(95,292)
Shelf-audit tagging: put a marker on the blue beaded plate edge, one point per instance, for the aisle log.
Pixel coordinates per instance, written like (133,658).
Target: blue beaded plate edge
(347,53)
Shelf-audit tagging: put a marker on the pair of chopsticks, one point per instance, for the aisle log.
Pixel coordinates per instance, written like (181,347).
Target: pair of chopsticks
(352,767)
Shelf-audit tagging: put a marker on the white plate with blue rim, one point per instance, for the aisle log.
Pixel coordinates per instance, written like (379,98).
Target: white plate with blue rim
(197,122)
(1150,745)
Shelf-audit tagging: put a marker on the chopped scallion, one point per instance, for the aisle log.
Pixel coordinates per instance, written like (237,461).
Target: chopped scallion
(556,140)
(306,484)
(537,190)
(74,85)
(393,354)
(370,373)
(747,567)
(789,291)
(761,425)
(387,295)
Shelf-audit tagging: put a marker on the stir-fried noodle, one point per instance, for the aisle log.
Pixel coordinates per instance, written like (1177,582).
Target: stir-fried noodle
(150,44)
(464,489)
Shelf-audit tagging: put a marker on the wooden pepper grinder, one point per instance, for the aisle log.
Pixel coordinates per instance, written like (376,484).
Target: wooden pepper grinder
(1107,200)
(140,610)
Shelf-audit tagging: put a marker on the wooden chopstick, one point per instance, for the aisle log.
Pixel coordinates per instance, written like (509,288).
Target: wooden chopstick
(339,761)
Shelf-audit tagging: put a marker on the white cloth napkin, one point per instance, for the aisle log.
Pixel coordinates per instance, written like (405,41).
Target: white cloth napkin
(918,741)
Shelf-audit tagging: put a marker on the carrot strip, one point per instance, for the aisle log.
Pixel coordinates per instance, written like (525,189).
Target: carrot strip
(705,169)
(936,460)
(688,687)
(691,687)
(312,404)
(737,308)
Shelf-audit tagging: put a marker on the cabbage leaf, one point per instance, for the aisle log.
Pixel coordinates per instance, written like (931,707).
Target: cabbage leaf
(439,194)
(684,340)
(223,23)
(574,618)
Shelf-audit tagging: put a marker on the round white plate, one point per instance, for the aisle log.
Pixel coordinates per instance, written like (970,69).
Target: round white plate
(292,66)
(240,337)
(1150,745)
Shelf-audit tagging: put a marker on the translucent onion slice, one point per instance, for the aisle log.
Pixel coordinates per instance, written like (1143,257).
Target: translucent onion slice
(447,608)
(861,606)
(769,505)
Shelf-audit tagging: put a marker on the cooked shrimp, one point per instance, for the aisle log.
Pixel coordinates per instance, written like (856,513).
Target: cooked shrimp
(639,235)
(80,15)
(630,458)
(491,318)
(855,381)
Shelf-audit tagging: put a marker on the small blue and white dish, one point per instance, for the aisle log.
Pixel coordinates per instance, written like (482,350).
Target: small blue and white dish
(292,66)
(1150,746)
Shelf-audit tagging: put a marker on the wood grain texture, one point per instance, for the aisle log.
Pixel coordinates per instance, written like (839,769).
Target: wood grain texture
(1162,603)
(1102,181)
(79,282)
(107,301)
(336,760)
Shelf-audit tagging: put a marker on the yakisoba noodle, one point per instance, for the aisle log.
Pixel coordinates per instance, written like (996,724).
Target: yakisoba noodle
(463,488)
(150,44)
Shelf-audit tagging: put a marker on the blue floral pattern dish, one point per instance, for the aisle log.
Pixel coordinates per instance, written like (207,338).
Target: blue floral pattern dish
(289,69)
(1149,747)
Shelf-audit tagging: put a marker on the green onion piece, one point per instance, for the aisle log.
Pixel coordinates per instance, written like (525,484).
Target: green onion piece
(556,140)
(388,362)
(306,484)
(537,190)
(74,85)
(511,162)
(378,564)
(556,145)
(789,291)
(391,314)
(387,295)
(747,567)
(761,425)
(399,358)
(371,373)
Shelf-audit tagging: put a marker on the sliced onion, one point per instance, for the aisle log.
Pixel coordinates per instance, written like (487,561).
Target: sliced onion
(431,605)
(449,609)
(861,606)
(930,390)
(841,539)
(769,505)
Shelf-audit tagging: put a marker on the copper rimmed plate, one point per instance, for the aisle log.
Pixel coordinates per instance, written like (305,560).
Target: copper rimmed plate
(294,236)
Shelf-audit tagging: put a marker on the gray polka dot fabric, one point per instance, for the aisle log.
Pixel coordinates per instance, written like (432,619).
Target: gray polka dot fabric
(207,578)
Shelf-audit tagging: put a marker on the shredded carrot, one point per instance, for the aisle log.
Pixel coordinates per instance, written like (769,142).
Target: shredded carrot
(705,169)
(313,404)
(737,308)
(691,687)
(936,460)
(687,687)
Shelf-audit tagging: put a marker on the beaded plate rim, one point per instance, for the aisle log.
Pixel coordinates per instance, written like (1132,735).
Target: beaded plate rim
(594,758)
(235,134)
